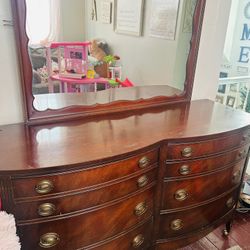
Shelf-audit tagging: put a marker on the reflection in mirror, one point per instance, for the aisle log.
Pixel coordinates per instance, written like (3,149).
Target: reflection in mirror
(130,45)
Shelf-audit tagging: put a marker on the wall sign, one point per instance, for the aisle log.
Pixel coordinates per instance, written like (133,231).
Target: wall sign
(106,12)
(163,19)
(129,15)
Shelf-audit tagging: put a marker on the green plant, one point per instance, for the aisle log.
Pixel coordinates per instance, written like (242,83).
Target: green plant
(109,59)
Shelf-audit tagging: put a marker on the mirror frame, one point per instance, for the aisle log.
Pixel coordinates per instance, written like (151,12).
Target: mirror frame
(34,116)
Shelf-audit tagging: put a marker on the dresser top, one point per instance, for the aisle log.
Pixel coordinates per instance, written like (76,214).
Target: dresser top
(102,138)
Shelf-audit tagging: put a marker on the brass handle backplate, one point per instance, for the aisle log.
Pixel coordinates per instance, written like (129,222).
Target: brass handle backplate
(46,209)
(176,224)
(246,137)
(138,241)
(44,187)
(230,202)
(236,176)
(141,209)
(142,181)
(241,153)
(181,195)
(144,162)
(49,240)
(187,152)
(184,170)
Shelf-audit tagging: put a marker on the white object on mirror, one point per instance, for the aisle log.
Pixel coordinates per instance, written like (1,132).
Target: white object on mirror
(163,21)
(106,12)
(129,17)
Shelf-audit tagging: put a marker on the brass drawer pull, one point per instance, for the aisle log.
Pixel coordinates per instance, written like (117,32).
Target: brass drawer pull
(181,195)
(230,202)
(141,209)
(44,187)
(236,176)
(246,137)
(144,162)
(176,224)
(138,241)
(187,152)
(46,209)
(241,153)
(49,240)
(185,170)
(142,181)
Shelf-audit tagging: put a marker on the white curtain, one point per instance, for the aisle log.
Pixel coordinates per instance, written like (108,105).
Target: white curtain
(43,21)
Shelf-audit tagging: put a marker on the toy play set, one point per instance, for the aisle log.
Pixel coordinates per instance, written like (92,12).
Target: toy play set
(76,73)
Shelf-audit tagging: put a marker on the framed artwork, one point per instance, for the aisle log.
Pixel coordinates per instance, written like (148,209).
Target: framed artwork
(219,99)
(106,12)
(129,17)
(94,11)
(230,101)
(222,88)
(163,20)
(233,87)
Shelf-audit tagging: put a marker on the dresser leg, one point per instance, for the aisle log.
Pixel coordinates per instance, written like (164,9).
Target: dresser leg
(226,231)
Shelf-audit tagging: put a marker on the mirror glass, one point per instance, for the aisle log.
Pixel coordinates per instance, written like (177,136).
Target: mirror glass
(87,52)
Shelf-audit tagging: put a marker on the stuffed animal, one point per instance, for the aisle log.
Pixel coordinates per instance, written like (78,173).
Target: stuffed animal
(96,51)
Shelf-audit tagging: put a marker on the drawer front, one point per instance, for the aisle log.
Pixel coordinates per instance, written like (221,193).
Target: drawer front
(37,186)
(187,192)
(71,203)
(203,148)
(86,229)
(139,238)
(179,223)
(192,167)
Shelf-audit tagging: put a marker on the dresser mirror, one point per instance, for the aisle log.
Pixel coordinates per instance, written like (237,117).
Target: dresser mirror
(100,56)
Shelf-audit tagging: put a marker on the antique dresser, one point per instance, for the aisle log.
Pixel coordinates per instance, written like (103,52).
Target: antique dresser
(126,168)
(152,179)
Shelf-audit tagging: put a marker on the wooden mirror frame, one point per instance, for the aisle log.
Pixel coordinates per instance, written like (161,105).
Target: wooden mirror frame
(34,116)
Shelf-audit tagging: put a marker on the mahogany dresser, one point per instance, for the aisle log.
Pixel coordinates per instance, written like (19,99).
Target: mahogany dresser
(151,179)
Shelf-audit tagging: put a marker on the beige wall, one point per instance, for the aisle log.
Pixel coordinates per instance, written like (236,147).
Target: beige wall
(205,85)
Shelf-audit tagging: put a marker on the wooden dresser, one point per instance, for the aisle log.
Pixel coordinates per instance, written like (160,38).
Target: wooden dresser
(152,179)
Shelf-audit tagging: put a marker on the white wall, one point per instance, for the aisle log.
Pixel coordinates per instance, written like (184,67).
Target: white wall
(72,17)
(11,110)
(211,49)
(206,78)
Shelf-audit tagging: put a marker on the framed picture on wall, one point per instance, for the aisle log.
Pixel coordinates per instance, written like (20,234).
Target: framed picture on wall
(129,17)
(230,101)
(233,88)
(222,88)
(219,99)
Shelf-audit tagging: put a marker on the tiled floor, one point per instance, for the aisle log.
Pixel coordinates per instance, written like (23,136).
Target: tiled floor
(239,236)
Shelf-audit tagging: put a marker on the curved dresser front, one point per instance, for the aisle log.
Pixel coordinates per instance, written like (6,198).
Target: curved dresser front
(154,179)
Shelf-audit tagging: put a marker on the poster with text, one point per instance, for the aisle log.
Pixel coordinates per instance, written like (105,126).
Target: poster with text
(163,20)
(129,14)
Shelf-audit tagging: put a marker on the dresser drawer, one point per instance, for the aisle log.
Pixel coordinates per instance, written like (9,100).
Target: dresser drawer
(139,238)
(54,184)
(190,191)
(91,227)
(203,148)
(194,167)
(44,208)
(188,220)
